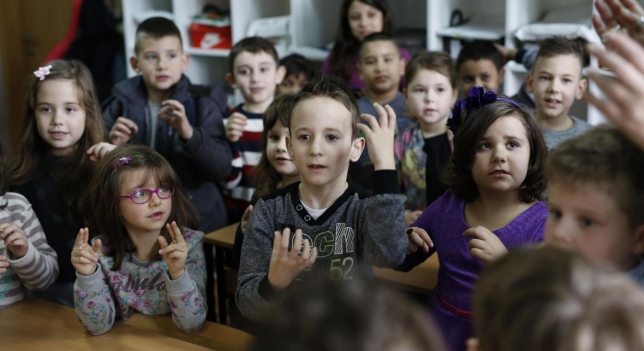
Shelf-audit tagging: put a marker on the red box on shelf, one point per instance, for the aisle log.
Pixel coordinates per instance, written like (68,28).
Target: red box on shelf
(210,36)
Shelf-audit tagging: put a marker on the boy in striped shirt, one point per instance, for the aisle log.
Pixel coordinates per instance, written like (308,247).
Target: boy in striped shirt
(256,72)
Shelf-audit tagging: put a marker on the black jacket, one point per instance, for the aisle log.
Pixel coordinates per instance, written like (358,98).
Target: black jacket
(201,161)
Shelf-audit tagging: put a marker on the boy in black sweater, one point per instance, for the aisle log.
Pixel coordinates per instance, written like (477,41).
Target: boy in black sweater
(324,227)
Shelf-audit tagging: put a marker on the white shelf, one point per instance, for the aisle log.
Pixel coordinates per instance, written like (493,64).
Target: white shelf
(208,52)
(313,25)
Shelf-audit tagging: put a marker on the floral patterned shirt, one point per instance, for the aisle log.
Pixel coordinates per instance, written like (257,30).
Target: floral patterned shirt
(145,287)
(411,162)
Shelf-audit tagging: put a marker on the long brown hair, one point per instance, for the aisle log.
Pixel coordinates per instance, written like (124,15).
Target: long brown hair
(106,187)
(4,184)
(345,49)
(265,176)
(74,171)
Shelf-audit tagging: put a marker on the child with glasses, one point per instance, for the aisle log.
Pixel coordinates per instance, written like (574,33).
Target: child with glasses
(146,258)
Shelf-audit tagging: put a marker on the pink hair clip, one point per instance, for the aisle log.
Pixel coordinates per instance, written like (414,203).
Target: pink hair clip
(122,161)
(42,72)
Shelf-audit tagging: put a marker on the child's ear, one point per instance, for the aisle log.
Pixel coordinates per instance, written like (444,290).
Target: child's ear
(230,79)
(402,67)
(280,74)
(638,240)
(501,75)
(134,63)
(185,60)
(583,84)
(289,146)
(472,344)
(454,96)
(356,149)
(528,82)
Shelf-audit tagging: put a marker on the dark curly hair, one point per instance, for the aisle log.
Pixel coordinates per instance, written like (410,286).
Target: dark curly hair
(458,174)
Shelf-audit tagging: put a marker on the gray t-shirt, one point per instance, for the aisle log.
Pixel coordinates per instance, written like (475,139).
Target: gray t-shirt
(153,121)
(555,137)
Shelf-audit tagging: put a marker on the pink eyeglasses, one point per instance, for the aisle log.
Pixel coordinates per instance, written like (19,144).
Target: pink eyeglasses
(142,196)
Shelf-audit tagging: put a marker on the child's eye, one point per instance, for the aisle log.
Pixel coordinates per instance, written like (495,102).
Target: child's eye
(264,69)
(484,146)
(567,80)
(304,137)
(274,137)
(485,77)
(151,57)
(45,109)
(419,90)
(587,222)
(71,109)
(513,144)
(440,90)
(171,56)
(544,78)
(332,137)
(468,79)
(244,72)
(555,213)
(139,193)
(371,14)
(388,59)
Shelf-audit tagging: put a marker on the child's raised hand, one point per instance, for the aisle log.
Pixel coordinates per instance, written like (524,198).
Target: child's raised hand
(122,131)
(624,14)
(98,151)
(245,217)
(380,136)
(624,93)
(285,265)
(174,113)
(175,254)
(4,264)
(418,238)
(235,125)
(84,256)
(14,239)
(484,245)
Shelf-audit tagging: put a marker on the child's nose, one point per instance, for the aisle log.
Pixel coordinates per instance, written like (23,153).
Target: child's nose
(155,200)
(57,118)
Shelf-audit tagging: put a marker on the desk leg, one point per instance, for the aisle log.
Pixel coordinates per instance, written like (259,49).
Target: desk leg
(210,283)
(221,283)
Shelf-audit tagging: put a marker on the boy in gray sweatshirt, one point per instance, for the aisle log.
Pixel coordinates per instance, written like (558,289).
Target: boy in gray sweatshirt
(324,227)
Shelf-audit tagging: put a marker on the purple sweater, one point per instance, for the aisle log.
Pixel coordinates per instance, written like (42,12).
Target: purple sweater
(445,223)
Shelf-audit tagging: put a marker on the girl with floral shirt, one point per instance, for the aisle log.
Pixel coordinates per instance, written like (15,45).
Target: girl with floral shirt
(140,262)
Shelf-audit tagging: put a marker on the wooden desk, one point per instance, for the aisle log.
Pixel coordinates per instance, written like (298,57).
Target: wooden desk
(40,325)
(212,335)
(421,279)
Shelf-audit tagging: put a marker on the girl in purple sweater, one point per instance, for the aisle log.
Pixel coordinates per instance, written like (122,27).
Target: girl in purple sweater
(494,203)
(143,261)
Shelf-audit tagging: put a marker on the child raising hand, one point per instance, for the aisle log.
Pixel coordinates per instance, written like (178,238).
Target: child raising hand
(146,259)
(323,227)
